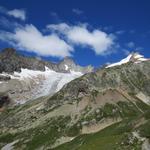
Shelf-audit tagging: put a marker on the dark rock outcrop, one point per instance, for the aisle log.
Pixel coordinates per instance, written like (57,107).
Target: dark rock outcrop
(4,78)
(4,100)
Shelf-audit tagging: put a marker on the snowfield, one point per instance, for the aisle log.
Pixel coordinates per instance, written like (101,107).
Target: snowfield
(137,59)
(42,83)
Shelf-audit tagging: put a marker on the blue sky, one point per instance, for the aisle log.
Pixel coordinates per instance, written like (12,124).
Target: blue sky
(90,31)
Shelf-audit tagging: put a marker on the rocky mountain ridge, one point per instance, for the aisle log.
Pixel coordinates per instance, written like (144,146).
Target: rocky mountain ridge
(106,108)
(134,57)
(11,61)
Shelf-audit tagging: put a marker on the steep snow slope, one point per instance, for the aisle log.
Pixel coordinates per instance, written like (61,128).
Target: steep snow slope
(33,84)
(134,57)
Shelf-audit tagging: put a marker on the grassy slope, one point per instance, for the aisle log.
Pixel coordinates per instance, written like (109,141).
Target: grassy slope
(112,136)
(102,140)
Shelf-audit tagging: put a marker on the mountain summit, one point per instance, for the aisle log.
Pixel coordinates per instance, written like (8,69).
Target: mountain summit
(133,57)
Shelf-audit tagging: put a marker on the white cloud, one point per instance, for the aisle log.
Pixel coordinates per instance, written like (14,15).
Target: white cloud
(29,38)
(62,27)
(130,45)
(138,48)
(97,40)
(17,13)
(108,28)
(77,11)
(126,52)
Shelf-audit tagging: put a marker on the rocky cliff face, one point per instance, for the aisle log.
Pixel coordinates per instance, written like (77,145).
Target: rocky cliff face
(11,61)
(106,108)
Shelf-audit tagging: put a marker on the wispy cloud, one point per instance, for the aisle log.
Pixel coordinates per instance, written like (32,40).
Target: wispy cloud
(139,48)
(126,51)
(131,45)
(53,14)
(120,32)
(108,28)
(55,17)
(16,13)
(77,11)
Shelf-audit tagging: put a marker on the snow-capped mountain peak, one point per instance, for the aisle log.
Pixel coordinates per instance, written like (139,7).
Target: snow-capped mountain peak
(133,57)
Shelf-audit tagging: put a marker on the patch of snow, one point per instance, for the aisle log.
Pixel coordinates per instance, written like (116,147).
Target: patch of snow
(142,59)
(137,58)
(26,73)
(76,73)
(123,61)
(66,78)
(66,67)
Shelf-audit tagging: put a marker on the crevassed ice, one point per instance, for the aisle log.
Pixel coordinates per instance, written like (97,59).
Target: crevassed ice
(47,82)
